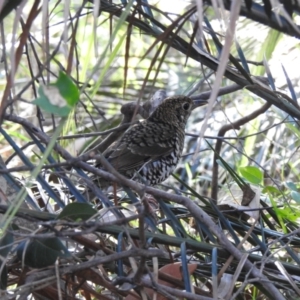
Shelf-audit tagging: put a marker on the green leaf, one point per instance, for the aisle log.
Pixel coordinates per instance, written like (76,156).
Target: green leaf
(41,253)
(288,214)
(58,98)
(67,89)
(271,189)
(51,101)
(77,211)
(295,196)
(294,129)
(252,174)
(291,185)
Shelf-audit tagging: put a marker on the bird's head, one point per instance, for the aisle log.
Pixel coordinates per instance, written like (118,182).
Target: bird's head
(174,110)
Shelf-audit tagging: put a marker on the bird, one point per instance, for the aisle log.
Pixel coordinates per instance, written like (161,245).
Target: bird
(149,151)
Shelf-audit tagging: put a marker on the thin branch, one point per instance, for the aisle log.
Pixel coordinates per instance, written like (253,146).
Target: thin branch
(25,32)
(235,125)
(33,281)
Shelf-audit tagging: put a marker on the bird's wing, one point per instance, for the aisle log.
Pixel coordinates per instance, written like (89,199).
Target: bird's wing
(141,143)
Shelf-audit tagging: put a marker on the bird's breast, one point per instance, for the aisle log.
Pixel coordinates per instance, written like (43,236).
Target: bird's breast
(160,168)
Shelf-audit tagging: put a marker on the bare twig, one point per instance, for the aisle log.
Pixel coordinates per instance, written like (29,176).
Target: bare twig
(171,290)
(235,125)
(32,15)
(33,281)
(222,91)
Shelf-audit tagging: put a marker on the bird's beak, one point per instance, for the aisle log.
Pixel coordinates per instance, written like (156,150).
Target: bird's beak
(199,102)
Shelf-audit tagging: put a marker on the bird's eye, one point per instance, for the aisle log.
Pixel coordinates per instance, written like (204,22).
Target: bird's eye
(186,106)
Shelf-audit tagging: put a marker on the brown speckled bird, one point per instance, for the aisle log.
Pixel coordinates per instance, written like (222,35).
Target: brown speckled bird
(152,148)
